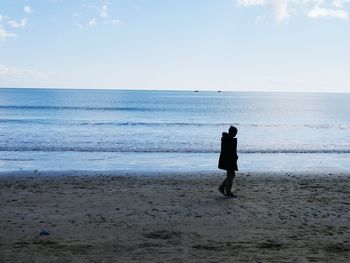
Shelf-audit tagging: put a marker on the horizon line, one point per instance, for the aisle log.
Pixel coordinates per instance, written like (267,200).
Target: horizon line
(179,90)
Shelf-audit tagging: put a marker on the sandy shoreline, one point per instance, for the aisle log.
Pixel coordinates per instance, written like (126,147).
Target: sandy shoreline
(175,218)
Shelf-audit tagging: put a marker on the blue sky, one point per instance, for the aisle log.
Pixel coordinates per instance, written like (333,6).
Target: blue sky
(246,45)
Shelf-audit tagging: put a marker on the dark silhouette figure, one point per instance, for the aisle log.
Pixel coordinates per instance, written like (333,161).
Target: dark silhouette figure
(228,160)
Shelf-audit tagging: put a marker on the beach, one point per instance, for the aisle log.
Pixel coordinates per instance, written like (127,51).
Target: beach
(108,217)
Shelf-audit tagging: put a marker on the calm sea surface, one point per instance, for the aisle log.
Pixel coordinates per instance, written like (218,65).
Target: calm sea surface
(49,129)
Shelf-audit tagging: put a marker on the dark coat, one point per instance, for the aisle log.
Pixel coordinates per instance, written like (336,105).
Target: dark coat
(228,155)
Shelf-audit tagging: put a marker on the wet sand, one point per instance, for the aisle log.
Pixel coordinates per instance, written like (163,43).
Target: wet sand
(174,218)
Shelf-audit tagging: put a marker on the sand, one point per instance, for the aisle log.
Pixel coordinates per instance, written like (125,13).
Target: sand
(174,218)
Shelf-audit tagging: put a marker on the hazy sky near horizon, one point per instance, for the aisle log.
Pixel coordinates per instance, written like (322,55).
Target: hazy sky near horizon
(245,45)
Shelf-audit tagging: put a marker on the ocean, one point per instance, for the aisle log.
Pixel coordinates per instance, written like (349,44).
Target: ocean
(171,131)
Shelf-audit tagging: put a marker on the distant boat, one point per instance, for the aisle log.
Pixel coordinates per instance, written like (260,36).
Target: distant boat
(219,90)
(196,91)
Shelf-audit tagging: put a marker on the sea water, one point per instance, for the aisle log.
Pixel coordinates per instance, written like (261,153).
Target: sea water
(176,131)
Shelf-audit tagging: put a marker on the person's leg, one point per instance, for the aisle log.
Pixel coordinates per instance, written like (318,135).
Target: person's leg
(223,185)
(229,181)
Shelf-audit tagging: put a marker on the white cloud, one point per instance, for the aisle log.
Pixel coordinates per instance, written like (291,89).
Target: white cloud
(3,18)
(319,12)
(251,2)
(13,73)
(7,24)
(92,22)
(337,3)
(27,10)
(98,15)
(80,26)
(20,24)
(104,12)
(340,3)
(278,7)
(115,22)
(4,34)
(283,9)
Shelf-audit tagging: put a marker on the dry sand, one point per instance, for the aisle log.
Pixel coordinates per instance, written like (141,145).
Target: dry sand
(174,218)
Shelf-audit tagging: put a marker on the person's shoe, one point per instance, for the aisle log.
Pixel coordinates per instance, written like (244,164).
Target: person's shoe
(221,190)
(230,195)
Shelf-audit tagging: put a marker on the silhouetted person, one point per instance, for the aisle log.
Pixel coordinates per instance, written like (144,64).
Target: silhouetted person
(228,160)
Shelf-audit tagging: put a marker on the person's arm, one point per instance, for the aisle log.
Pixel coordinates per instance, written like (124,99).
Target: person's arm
(235,147)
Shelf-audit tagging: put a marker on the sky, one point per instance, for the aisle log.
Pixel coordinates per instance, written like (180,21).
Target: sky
(239,45)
